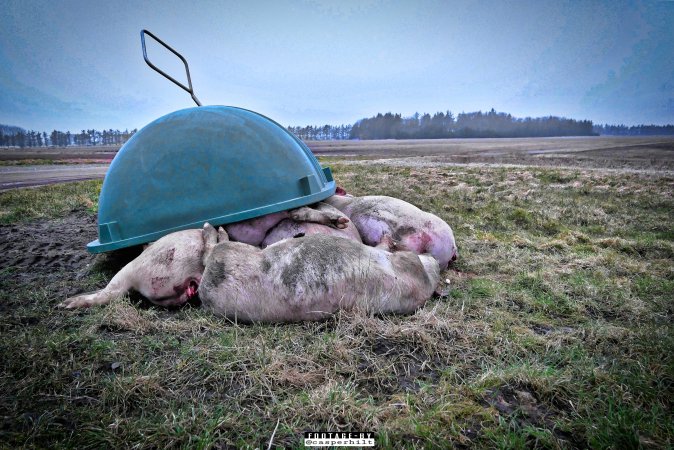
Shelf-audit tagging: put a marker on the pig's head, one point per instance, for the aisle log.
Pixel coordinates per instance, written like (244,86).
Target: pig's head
(183,293)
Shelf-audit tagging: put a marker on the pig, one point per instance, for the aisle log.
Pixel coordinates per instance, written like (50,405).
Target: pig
(376,216)
(168,273)
(254,231)
(311,277)
(289,228)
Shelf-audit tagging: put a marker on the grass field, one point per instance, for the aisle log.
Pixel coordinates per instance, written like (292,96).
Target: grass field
(556,331)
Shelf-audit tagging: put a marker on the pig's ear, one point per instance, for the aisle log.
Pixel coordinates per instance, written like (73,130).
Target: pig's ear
(340,191)
(222,235)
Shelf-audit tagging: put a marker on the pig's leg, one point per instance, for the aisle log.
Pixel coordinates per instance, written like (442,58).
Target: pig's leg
(118,286)
(440,245)
(306,214)
(391,245)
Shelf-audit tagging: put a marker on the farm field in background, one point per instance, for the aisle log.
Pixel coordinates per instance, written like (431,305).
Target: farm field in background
(556,330)
(33,155)
(30,167)
(647,153)
(575,151)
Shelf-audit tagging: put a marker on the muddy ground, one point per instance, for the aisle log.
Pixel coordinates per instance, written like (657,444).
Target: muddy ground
(52,254)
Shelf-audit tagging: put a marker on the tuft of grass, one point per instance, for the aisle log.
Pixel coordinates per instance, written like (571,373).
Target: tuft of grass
(48,202)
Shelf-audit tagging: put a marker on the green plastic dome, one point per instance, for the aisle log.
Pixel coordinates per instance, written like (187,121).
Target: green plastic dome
(216,164)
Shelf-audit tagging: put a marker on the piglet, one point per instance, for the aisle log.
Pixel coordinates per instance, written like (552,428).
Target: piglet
(376,216)
(253,231)
(290,228)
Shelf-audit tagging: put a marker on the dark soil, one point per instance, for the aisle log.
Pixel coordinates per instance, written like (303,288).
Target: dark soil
(52,254)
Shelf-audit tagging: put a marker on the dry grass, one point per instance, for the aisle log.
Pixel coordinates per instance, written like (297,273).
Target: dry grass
(556,333)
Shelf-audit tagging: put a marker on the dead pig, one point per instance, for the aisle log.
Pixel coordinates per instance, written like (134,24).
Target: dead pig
(310,278)
(169,270)
(167,273)
(289,228)
(253,231)
(376,216)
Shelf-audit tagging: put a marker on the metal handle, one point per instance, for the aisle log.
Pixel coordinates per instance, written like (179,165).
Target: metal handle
(190,90)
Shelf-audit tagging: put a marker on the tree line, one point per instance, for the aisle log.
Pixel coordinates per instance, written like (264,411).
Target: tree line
(491,124)
(29,138)
(440,125)
(635,130)
(322,133)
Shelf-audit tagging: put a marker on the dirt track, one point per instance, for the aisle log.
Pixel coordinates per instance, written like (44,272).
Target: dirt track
(12,177)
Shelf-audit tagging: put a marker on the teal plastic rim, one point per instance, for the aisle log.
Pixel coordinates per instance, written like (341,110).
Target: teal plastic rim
(97,247)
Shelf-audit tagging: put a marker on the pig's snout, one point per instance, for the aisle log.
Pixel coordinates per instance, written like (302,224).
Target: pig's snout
(183,293)
(191,289)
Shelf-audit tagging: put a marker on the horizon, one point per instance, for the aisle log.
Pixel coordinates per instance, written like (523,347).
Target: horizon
(316,62)
(75,131)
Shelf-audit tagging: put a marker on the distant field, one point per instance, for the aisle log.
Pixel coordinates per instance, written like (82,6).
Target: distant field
(101,154)
(636,152)
(621,153)
(598,152)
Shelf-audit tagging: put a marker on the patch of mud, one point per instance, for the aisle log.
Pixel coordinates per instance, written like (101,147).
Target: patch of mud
(38,249)
(521,404)
(395,369)
(512,401)
(544,330)
(46,253)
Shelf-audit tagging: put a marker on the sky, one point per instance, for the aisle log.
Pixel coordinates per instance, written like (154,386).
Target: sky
(74,64)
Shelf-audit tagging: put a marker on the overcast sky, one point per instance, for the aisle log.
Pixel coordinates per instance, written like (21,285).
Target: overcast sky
(78,64)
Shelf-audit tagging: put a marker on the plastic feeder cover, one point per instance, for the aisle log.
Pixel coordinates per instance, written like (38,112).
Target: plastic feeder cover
(216,164)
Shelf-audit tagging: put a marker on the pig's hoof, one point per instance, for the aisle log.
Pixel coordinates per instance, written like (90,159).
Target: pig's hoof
(341,222)
(387,243)
(73,303)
